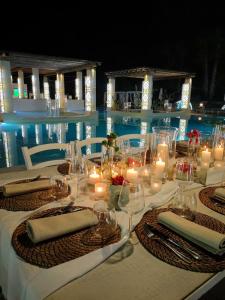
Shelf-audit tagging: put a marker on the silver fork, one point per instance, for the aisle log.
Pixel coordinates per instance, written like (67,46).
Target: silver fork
(150,234)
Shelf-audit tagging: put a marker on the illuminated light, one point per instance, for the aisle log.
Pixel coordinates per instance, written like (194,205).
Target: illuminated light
(88,136)
(186,93)
(7,139)
(37,134)
(46,90)
(20,81)
(201,104)
(144,130)
(90,90)
(78,131)
(182,129)
(110,93)
(109,125)
(88,93)
(199,118)
(146,92)
(5,87)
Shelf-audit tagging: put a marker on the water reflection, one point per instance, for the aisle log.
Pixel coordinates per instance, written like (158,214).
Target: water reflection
(14,136)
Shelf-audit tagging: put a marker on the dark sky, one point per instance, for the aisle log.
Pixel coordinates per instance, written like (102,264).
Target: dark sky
(135,34)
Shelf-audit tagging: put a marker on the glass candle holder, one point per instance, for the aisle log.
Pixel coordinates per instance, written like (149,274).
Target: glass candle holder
(205,153)
(156,185)
(163,143)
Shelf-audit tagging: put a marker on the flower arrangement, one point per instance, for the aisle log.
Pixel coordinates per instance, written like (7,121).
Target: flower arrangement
(110,142)
(118,180)
(117,191)
(194,137)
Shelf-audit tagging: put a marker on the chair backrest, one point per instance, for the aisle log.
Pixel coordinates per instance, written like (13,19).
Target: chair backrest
(136,136)
(28,152)
(87,143)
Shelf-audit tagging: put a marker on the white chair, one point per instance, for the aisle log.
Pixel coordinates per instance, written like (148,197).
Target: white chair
(136,136)
(87,143)
(28,152)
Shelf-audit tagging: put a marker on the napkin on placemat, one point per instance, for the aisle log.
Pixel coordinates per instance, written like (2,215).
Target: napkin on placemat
(22,188)
(46,228)
(220,193)
(206,238)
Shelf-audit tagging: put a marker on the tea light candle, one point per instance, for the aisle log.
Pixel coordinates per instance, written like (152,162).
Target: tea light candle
(218,152)
(94,177)
(204,165)
(159,167)
(218,164)
(156,185)
(206,156)
(163,151)
(132,175)
(100,189)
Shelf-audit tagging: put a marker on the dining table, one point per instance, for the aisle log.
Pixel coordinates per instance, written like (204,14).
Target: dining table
(131,272)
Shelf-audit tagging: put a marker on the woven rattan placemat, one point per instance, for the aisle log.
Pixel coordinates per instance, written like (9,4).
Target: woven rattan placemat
(209,263)
(56,251)
(32,200)
(204,196)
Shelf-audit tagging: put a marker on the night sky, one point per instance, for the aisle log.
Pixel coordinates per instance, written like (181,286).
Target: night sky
(170,36)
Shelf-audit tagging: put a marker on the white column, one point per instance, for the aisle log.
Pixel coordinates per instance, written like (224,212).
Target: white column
(78,86)
(109,125)
(20,81)
(90,90)
(110,93)
(186,93)
(38,134)
(46,88)
(182,129)
(10,148)
(35,83)
(5,87)
(60,91)
(79,131)
(147,89)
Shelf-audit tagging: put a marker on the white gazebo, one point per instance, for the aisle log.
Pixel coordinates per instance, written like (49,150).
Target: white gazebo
(46,66)
(148,75)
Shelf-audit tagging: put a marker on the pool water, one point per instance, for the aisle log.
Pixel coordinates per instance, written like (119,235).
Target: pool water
(14,136)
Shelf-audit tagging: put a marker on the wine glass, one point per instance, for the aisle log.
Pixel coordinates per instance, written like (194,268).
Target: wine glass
(131,201)
(106,227)
(59,188)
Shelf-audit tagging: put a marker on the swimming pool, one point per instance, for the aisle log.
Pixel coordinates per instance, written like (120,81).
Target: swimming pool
(13,136)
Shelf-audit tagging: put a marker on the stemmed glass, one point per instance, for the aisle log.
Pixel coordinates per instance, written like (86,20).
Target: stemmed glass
(59,188)
(131,201)
(106,227)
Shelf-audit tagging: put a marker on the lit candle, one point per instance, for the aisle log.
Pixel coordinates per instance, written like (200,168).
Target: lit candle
(94,177)
(159,168)
(132,175)
(156,185)
(163,152)
(218,152)
(218,164)
(206,156)
(100,189)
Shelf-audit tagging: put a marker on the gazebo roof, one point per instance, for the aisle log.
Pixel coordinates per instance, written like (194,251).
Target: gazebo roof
(158,74)
(47,65)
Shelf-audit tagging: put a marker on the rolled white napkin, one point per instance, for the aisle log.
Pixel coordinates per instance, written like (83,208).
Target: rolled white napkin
(206,238)
(22,188)
(46,228)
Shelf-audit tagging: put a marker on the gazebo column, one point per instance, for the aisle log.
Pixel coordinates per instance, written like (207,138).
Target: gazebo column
(90,90)
(35,83)
(5,87)
(78,86)
(110,93)
(109,125)
(60,91)
(79,131)
(20,81)
(186,93)
(46,88)
(147,91)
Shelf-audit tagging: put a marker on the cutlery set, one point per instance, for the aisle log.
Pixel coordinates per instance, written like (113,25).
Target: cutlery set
(171,244)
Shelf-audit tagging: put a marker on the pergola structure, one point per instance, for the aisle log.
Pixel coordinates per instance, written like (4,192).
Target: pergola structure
(149,75)
(46,66)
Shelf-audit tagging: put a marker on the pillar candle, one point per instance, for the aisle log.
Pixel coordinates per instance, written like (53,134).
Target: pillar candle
(132,174)
(218,152)
(163,152)
(206,156)
(159,168)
